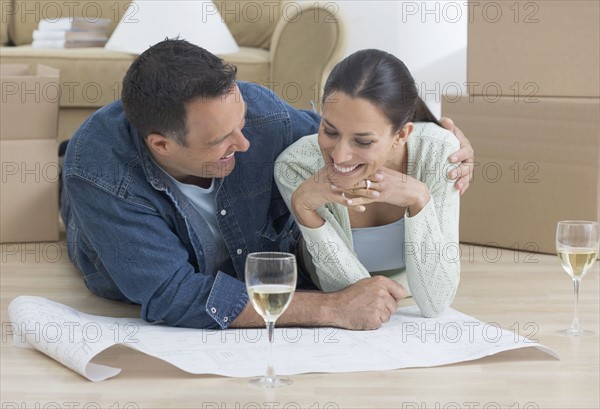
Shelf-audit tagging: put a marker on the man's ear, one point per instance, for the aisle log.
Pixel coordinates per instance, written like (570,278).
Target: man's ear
(403,134)
(159,144)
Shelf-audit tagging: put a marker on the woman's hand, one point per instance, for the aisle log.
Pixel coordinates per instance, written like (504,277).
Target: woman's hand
(387,186)
(313,193)
(465,156)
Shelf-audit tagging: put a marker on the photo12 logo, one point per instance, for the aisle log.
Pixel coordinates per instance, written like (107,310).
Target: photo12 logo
(267,405)
(52,11)
(68,405)
(517,12)
(468,405)
(71,332)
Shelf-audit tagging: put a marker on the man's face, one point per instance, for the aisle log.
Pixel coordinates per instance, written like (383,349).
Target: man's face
(214,135)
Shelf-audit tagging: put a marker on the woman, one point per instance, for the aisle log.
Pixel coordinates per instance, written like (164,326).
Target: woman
(382,154)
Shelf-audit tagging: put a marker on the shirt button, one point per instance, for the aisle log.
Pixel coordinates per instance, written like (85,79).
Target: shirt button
(225,319)
(213,310)
(223,212)
(239,251)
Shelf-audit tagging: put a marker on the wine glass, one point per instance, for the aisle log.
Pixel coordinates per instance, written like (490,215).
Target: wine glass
(270,281)
(577,248)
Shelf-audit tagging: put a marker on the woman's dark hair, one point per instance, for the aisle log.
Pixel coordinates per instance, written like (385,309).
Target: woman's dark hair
(164,78)
(383,80)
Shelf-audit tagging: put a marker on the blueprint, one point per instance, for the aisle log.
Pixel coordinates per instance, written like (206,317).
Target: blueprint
(407,340)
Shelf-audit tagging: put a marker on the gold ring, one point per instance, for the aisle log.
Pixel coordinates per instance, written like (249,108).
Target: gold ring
(368,184)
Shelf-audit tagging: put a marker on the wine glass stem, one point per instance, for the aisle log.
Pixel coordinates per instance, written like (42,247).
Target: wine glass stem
(575,323)
(270,371)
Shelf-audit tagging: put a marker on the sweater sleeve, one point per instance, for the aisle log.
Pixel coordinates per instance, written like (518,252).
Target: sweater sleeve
(432,248)
(330,245)
(431,236)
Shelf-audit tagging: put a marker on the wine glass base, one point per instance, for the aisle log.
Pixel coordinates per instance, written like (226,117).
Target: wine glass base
(274,382)
(576,333)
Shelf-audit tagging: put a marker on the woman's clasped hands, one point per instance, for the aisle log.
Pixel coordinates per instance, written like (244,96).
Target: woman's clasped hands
(385,186)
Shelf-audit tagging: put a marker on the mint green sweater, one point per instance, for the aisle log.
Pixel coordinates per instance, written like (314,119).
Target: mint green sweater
(431,237)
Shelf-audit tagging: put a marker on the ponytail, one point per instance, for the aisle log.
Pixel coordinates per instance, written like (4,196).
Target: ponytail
(423,114)
(383,80)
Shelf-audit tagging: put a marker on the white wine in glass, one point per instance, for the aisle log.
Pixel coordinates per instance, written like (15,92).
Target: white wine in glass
(270,281)
(577,248)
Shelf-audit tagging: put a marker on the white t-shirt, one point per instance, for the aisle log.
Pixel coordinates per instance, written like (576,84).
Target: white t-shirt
(203,201)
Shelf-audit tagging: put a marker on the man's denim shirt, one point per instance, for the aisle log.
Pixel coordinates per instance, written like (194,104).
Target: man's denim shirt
(135,237)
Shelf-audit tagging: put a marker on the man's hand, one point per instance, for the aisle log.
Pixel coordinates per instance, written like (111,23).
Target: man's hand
(364,305)
(465,156)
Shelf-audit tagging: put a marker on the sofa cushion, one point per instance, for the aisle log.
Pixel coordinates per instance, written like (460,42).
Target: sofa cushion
(27,14)
(92,77)
(253,64)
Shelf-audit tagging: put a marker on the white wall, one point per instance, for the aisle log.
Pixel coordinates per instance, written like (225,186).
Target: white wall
(430,37)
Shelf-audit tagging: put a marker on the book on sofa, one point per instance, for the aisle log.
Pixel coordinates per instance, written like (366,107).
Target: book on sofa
(74,23)
(71,33)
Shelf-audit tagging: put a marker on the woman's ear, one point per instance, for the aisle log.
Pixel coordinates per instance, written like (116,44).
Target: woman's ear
(403,134)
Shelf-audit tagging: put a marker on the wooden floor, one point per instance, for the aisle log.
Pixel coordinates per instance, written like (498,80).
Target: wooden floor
(519,291)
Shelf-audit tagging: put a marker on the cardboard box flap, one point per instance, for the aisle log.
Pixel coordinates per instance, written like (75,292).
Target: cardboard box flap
(29,104)
(47,72)
(26,70)
(14,70)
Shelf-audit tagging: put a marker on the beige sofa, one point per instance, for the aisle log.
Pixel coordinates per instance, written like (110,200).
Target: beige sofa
(287,46)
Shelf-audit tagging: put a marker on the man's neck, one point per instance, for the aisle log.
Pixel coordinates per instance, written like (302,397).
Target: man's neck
(204,183)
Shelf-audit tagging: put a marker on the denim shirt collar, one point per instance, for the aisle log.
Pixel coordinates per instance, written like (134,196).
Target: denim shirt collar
(152,172)
(198,228)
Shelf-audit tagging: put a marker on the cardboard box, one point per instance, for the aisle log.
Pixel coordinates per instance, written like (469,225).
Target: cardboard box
(28,153)
(536,164)
(29,190)
(541,48)
(29,104)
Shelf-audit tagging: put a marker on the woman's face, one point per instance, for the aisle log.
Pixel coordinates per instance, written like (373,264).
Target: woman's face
(356,139)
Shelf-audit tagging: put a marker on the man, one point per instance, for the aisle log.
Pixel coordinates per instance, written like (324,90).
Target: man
(164,196)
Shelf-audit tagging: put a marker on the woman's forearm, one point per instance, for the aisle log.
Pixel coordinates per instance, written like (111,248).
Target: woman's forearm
(420,200)
(306,216)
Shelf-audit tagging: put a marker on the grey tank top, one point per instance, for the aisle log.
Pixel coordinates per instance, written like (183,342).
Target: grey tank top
(380,248)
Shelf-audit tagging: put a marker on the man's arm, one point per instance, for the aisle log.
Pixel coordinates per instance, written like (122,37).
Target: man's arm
(304,122)
(263,102)
(465,156)
(135,248)
(364,305)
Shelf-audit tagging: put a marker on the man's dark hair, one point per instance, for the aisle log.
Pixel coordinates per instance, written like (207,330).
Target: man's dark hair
(167,76)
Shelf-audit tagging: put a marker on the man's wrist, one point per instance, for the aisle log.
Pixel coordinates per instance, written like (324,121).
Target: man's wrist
(326,308)
(309,308)
(248,318)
